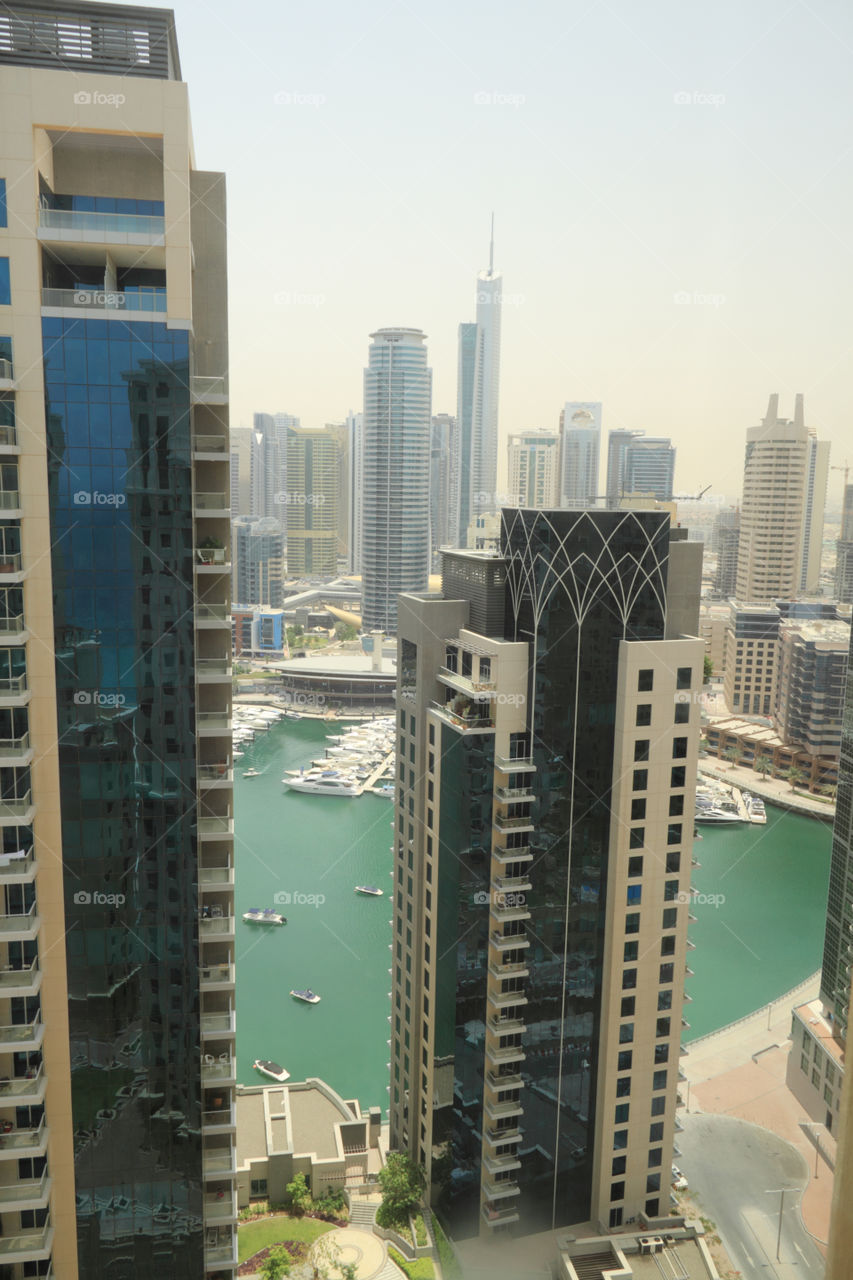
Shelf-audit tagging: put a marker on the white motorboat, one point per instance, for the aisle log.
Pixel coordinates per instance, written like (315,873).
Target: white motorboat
(308,996)
(324,785)
(369,891)
(252,773)
(714,814)
(755,808)
(263,915)
(271,1069)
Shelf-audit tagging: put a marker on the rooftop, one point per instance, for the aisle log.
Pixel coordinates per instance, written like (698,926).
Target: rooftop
(298,1118)
(679,1252)
(812,1015)
(112,39)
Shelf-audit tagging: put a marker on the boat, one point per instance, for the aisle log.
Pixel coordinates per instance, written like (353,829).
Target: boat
(271,1069)
(755,808)
(369,890)
(717,815)
(263,915)
(252,773)
(307,995)
(339,785)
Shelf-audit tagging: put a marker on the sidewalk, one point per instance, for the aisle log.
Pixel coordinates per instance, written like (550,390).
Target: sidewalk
(740,1071)
(773,790)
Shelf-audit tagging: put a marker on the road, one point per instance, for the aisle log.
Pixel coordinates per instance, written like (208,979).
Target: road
(731,1165)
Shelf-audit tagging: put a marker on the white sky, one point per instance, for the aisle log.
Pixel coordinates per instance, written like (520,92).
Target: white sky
(361,198)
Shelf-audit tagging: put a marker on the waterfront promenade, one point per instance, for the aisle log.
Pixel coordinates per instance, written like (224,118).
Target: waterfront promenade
(740,1071)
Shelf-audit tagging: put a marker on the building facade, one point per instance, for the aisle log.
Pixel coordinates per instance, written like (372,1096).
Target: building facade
(649,468)
(267,471)
(725,540)
(617,445)
(784,493)
(580,448)
(844,551)
(395,546)
(534,469)
(548,737)
(444,449)
(313,481)
(118,990)
(258,561)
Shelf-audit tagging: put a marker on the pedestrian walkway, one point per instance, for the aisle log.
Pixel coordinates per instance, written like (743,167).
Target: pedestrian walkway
(773,790)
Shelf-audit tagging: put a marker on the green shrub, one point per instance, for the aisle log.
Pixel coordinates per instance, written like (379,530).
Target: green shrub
(420,1269)
(421,1237)
(449,1266)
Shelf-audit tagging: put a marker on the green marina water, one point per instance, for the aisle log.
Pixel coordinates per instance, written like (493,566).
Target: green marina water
(762,940)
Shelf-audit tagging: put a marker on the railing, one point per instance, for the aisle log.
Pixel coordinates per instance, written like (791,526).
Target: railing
(477,686)
(514,823)
(215,926)
(214,1253)
(508,1053)
(210,772)
(213,719)
(11,624)
(510,764)
(509,939)
(213,974)
(106,300)
(12,686)
(6,370)
(496,1216)
(8,433)
(221,1119)
(27,1242)
(506,1026)
(211,502)
(15,922)
(210,443)
(24,1189)
(216,826)
(211,555)
(24,1139)
(463,721)
(508,969)
(506,884)
(515,854)
(504,1082)
(496,1136)
(216,875)
(11,562)
(202,386)
(216,1163)
(16,806)
(213,666)
(16,861)
(513,793)
(11,977)
(212,1022)
(131,224)
(217,1071)
(219,612)
(20,1032)
(10,499)
(21,1085)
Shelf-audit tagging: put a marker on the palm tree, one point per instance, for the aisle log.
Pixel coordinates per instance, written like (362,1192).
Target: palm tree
(795,776)
(733,754)
(763,765)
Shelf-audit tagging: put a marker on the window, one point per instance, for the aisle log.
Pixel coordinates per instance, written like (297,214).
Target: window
(659,1080)
(635,894)
(682,712)
(644,714)
(661,1054)
(652,1183)
(638,810)
(621,1114)
(667,945)
(635,866)
(626,1033)
(676,806)
(652,1208)
(673,833)
(667,972)
(684,677)
(620,1139)
(655,1158)
(629,980)
(641,749)
(632,925)
(816,1077)
(678,776)
(670,917)
(664,1000)
(258,1187)
(623,1090)
(5,286)
(615,1219)
(662,1028)
(827,1094)
(658,1108)
(628,1003)
(673,864)
(670,891)
(656,1132)
(637,838)
(631,949)
(617,1191)
(679,748)
(618,1166)
(641,780)
(624,1060)
(645,681)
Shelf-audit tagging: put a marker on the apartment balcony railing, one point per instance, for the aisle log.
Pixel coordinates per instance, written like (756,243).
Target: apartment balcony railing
(220,1119)
(221,772)
(216,1071)
(464,720)
(205,667)
(509,1053)
(465,682)
(217,1023)
(215,557)
(210,443)
(11,625)
(219,1207)
(17,866)
(223,826)
(19,926)
(26,1193)
(515,764)
(216,976)
(514,795)
(7,375)
(8,431)
(216,927)
(219,502)
(509,969)
(27,1246)
(21,1090)
(507,1026)
(22,981)
(508,910)
(509,940)
(11,562)
(495,1217)
(501,1164)
(22,1036)
(209,390)
(520,853)
(219,1254)
(16,806)
(498,1081)
(216,877)
(507,999)
(514,822)
(503,1110)
(10,500)
(19,1144)
(12,688)
(500,1190)
(213,720)
(217,612)
(497,1136)
(150,226)
(512,884)
(110,301)
(217,1163)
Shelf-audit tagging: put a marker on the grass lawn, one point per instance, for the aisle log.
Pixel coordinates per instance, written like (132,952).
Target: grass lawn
(252,1236)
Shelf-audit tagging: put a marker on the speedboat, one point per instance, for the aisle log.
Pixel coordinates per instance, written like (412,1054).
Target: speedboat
(755,809)
(307,995)
(271,1069)
(717,815)
(263,915)
(252,773)
(339,785)
(369,891)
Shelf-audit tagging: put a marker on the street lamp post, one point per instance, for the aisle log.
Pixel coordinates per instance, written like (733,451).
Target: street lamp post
(815,1126)
(780,1191)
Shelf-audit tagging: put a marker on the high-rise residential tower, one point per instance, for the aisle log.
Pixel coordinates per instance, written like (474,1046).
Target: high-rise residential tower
(649,468)
(268,471)
(443,449)
(617,446)
(116,862)
(460,493)
(395,548)
(534,469)
(580,446)
(784,493)
(258,551)
(313,477)
(355,427)
(844,551)
(548,727)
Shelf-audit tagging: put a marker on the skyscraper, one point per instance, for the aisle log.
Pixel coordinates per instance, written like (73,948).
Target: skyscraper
(724,543)
(395,464)
(844,551)
(548,737)
(649,468)
(784,492)
(442,452)
(258,561)
(116,826)
(268,471)
(580,445)
(534,469)
(478,386)
(355,427)
(313,477)
(617,445)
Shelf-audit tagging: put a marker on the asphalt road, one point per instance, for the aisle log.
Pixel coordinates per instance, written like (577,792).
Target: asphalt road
(731,1165)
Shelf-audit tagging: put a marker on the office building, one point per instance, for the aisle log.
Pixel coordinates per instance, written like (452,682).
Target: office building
(241,466)
(580,447)
(313,479)
(812,675)
(443,449)
(750,665)
(781,523)
(355,427)
(117,956)
(617,446)
(649,468)
(395,549)
(460,510)
(724,543)
(844,551)
(267,471)
(259,563)
(534,469)
(548,719)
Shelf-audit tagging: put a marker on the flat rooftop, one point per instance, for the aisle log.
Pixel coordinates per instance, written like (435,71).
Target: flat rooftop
(345,664)
(811,1014)
(298,1118)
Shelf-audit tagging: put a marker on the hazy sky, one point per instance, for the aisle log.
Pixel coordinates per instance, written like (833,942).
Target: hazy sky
(671,183)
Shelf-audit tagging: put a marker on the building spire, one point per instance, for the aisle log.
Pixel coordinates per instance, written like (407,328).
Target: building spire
(492,248)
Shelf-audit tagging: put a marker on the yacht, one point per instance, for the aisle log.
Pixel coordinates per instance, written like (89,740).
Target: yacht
(271,1069)
(369,890)
(307,996)
(252,773)
(324,785)
(263,915)
(755,808)
(714,814)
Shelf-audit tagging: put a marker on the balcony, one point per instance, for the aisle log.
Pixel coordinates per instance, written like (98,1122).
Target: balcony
(11,567)
(220,1207)
(20,1144)
(220,1120)
(520,853)
(27,1246)
(508,969)
(216,977)
(18,809)
(511,884)
(501,1164)
(503,1110)
(515,764)
(507,1053)
(105,302)
(13,690)
(10,503)
(498,1136)
(464,683)
(20,1037)
(466,721)
(220,1253)
(513,940)
(212,615)
(211,560)
(211,775)
(7,375)
(217,1024)
(513,795)
(26,1193)
(219,1163)
(507,1026)
(20,926)
(513,822)
(500,1190)
(494,1217)
(214,828)
(24,1090)
(90,227)
(209,723)
(507,910)
(221,1071)
(8,432)
(213,670)
(207,390)
(23,981)
(497,1081)
(218,445)
(18,866)
(212,504)
(12,627)
(216,877)
(216,927)
(507,999)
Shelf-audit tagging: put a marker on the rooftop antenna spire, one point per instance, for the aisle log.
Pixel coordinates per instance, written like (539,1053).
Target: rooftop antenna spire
(492,248)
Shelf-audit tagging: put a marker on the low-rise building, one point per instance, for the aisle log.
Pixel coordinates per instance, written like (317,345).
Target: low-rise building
(257,631)
(663,1247)
(713,621)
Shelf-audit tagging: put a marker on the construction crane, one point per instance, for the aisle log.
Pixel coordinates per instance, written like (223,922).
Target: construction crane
(845,469)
